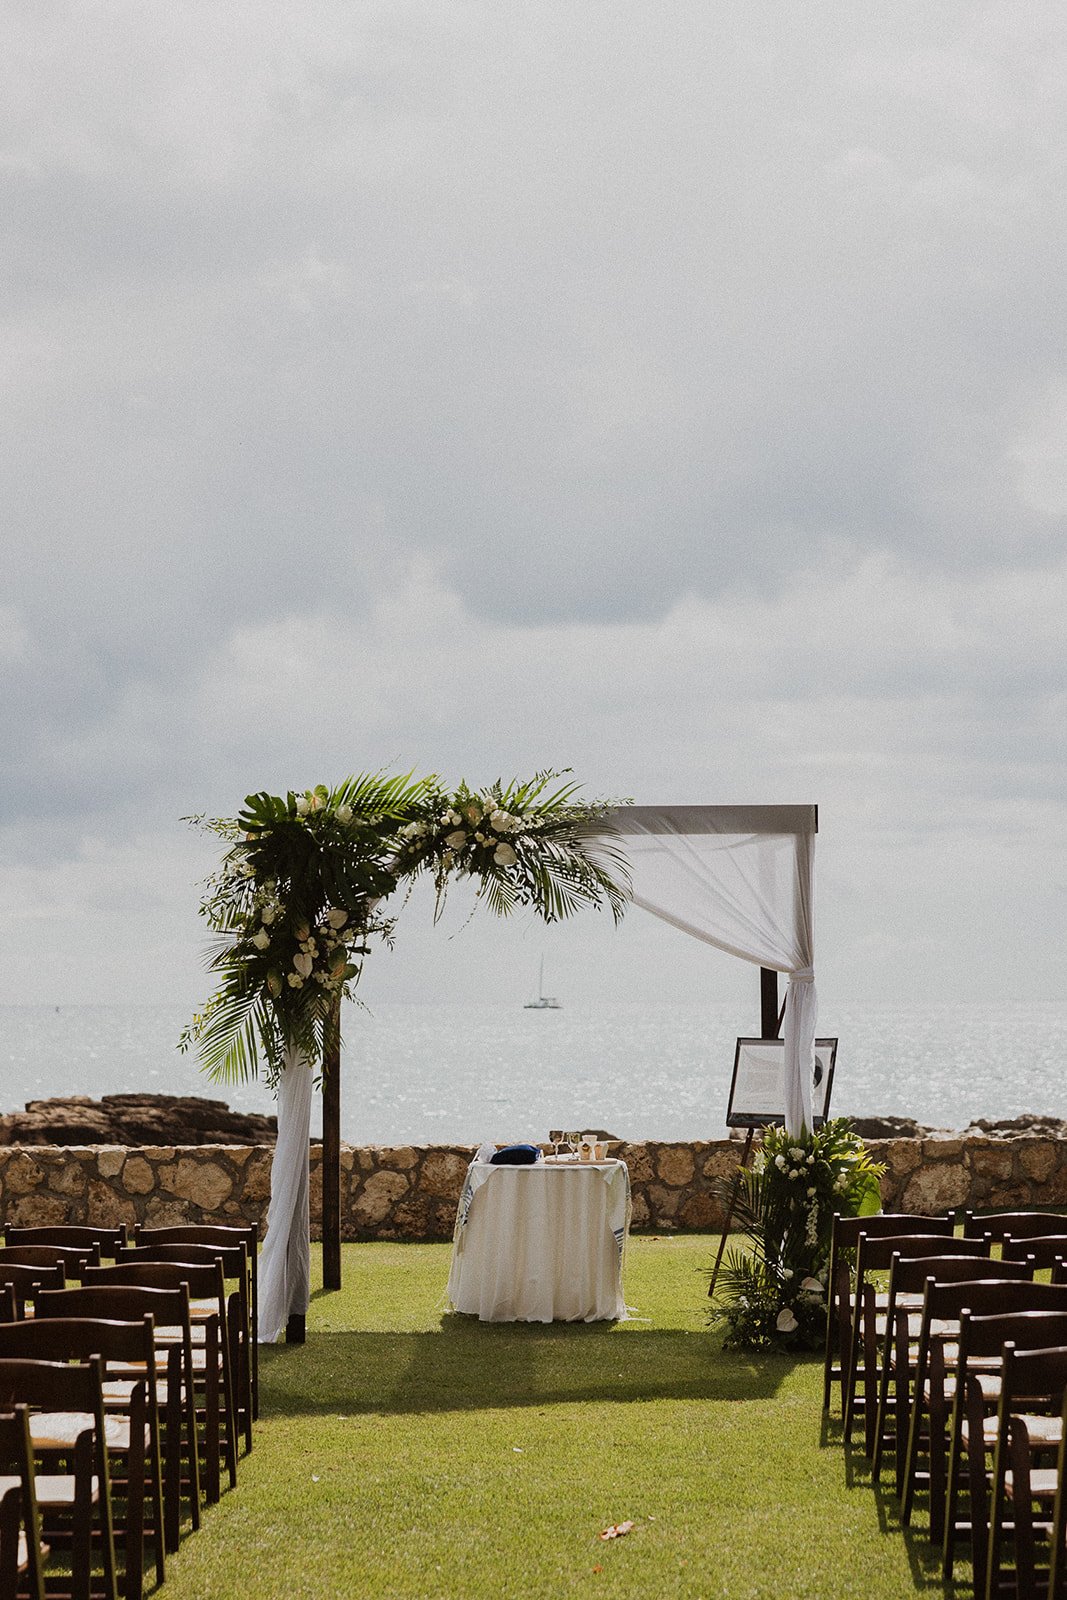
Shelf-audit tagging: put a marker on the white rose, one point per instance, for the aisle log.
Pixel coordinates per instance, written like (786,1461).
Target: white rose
(479,838)
(812,1191)
(261,939)
(336,917)
(303,964)
(779,1162)
(344,813)
(268,915)
(499,820)
(504,856)
(811,1161)
(797,1155)
(456,841)
(786,1321)
(303,806)
(787,1273)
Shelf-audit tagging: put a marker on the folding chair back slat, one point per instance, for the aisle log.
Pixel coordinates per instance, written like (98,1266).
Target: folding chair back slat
(1047,1249)
(74,1234)
(1014,1224)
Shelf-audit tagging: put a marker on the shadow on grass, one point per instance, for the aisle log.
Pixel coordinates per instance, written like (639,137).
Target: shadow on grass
(924,1560)
(468,1366)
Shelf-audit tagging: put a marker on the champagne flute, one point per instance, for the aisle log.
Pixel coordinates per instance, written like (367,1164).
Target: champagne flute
(555,1139)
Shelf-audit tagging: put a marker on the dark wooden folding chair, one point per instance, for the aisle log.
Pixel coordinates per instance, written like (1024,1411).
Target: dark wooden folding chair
(9,1306)
(66,1407)
(211,1353)
(76,1235)
(873,1258)
(934,1387)
(1057,1578)
(22,1554)
(175,1390)
(844,1239)
(904,1325)
(131,1419)
(219,1233)
(233,1260)
(26,1280)
(972,1426)
(1029,1423)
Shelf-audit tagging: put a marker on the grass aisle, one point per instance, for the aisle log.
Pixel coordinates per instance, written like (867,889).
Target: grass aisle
(403,1452)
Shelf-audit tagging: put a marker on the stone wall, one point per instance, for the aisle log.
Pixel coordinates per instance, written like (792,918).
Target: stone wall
(410,1192)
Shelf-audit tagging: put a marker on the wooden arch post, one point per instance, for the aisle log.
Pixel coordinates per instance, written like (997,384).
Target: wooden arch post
(331,1153)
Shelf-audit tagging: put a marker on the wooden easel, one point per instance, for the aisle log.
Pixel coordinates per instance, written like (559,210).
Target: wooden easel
(729,1217)
(770,1025)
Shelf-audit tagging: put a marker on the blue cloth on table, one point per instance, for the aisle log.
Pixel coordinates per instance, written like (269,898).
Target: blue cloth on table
(516,1155)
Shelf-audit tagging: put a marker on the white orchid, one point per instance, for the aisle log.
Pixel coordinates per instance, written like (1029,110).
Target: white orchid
(267,915)
(456,840)
(336,917)
(261,939)
(787,1322)
(811,1286)
(504,856)
(295,981)
(303,964)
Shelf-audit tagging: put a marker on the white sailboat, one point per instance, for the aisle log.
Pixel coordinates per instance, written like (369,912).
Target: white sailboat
(544,1002)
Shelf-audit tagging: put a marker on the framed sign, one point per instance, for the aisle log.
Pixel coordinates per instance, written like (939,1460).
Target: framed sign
(757,1091)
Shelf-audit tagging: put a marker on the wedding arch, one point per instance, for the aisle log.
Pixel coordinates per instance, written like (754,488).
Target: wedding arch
(301,890)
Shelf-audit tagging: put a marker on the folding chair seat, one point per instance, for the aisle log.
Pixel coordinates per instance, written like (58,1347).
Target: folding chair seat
(904,1324)
(22,1555)
(844,1239)
(219,1233)
(175,1393)
(67,1428)
(131,1420)
(972,1426)
(26,1280)
(211,1350)
(1033,1386)
(873,1258)
(233,1260)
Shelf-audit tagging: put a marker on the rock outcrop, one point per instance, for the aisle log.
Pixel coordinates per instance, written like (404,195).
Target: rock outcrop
(135,1120)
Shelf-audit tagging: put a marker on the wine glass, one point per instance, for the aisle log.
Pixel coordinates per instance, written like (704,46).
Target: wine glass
(555,1139)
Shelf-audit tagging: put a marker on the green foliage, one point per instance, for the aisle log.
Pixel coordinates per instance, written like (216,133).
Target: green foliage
(300,891)
(775,1294)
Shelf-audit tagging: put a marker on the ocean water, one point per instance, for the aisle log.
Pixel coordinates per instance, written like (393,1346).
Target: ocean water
(463,1073)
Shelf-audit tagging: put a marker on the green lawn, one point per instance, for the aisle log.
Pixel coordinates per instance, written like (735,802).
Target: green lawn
(405,1452)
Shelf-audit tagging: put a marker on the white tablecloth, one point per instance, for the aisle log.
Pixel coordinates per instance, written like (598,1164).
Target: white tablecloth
(541,1243)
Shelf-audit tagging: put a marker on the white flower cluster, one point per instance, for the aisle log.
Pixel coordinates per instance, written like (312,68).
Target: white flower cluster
(476,826)
(320,953)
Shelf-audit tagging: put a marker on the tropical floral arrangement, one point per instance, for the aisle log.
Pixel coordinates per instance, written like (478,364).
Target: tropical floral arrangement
(774,1293)
(304,883)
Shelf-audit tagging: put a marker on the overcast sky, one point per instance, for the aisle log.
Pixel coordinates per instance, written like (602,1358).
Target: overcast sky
(677,393)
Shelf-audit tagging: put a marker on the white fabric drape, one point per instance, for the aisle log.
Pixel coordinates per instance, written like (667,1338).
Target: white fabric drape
(740,878)
(285,1264)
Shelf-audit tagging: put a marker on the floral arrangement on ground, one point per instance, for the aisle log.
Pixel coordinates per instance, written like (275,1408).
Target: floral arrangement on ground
(773,1294)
